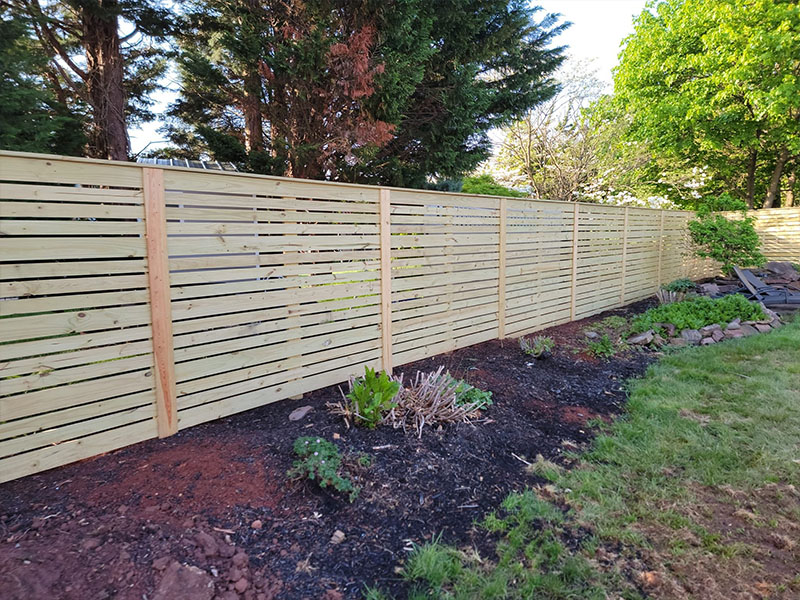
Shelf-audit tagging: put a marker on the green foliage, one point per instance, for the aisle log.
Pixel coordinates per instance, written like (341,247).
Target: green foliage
(31,119)
(486,185)
(375,92)
(731,243)
(699,312)
(603,347)
(319,461)
(371,396)
(610,323)
(538,347)
(714,83)
(469,395)
(680,285)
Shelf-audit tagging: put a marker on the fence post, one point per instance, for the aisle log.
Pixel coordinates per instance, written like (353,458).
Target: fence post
(160,308)
(624,256)
(574,262)
(501,274)
(386,278)
(660,246)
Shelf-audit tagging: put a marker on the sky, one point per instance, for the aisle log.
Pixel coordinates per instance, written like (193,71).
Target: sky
(598,28)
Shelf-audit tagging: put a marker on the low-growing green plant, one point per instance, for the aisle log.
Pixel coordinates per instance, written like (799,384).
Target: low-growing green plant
(319,461)
(679,285)
(695,313)
(469,395)
(603,347)
(538,347)
(369,398)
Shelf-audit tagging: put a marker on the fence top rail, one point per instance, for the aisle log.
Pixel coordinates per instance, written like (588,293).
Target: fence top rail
(339,184)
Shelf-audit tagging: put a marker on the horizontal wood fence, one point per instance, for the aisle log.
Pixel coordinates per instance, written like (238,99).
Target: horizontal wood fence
(779,231)
(137,301)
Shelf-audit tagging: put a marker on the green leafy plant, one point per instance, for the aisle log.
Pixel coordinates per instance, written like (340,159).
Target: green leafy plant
(602,347)
(369,398)
(319,461)
(731,243)
(679,285)
(611,322)
(694,313)
(469,395)
(537,347)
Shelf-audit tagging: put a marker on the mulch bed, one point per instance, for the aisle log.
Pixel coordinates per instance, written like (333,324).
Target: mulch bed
(113,526)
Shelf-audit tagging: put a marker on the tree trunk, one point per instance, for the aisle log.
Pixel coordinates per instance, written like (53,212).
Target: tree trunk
(251,108)
(751,178)
(790,183)
(108,137)
(775,181)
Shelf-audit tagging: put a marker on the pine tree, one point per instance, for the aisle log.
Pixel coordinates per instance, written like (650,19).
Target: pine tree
(31,118)
(93,64)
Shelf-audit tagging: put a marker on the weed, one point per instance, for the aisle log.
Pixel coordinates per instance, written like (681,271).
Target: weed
(602,347)
(679,285)
(538,347)
(365,460)
(319,461)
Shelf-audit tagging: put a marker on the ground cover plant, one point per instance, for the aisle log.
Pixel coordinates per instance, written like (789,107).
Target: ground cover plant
(539,346)
(319,461)
(694,313)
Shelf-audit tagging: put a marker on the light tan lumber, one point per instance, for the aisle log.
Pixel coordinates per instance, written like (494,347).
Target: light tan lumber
(575,223)
(501,281)
(660,248)
(160,309)
(386,279)
(67,452)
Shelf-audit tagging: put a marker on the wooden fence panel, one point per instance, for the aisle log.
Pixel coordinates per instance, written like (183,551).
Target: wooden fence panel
(244,289)
(445,257)
(275,289)
(779,231)
(76,353)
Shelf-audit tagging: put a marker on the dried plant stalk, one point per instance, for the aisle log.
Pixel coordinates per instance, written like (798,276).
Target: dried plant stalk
(430,399)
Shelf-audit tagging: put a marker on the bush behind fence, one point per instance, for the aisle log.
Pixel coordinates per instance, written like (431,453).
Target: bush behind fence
(137,301)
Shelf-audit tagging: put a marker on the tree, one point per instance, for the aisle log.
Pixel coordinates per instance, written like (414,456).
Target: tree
(361,90)
(92,64)
(552,150)
(492,62)
(286,87)
(717,83)
(31,119)
(486,185)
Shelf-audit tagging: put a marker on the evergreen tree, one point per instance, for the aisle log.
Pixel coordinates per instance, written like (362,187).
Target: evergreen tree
(31,119)
(361,90)
(92,63)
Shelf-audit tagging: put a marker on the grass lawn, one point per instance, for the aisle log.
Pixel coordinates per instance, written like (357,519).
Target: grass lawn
(694,494)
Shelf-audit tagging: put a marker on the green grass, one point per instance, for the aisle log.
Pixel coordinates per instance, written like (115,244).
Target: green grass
(707,418)
(721,415)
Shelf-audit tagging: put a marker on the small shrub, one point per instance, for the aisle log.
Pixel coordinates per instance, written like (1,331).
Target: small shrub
(538,347)
(470,396)
(433,398)
(679,285)
(731,243)
(695,313)
(602,347)
(369,399)
(319,461)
